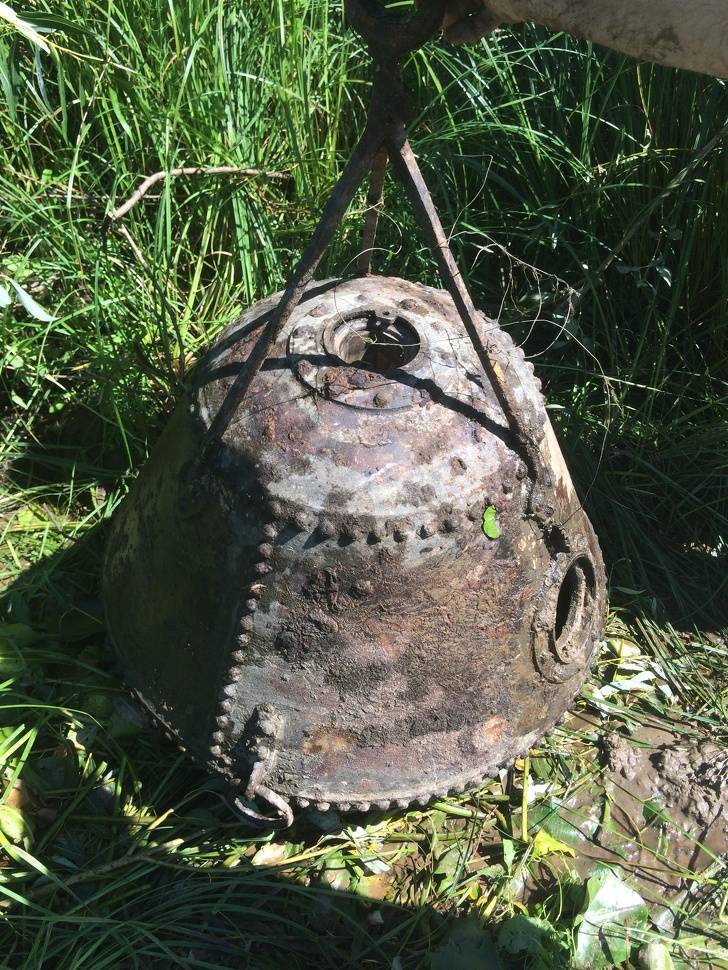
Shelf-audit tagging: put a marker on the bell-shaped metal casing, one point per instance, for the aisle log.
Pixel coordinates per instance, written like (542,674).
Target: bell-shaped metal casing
(315,599)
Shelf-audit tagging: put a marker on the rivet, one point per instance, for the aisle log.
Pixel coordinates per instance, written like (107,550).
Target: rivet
(344,806)
(266,550)
(276,510)
(238,656)
(243,641)
(229,690)
(402,803)
(349,533)
(225,706)
(251,605)
(382,805)
(326,528)
(261,568)
(304,802)
(380,400)
(521,470)
(507,487)
(236,782)
(270,531)
(246,623)
(218,737)
(216,751)
(299,521)
(323,806)
(234,673)
(224,723)
(263,751)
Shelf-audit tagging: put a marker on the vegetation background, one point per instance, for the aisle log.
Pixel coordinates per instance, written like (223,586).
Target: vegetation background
(587,198)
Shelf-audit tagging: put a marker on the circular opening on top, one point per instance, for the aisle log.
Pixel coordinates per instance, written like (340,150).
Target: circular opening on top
(377,342)
(571,603)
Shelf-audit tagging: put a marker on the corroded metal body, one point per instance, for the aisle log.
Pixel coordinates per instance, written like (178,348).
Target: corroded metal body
(314,602)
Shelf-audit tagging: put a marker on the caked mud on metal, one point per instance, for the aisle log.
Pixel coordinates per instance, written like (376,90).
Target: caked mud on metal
(315,601)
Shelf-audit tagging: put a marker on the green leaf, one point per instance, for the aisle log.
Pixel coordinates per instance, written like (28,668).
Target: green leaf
(655,956)
(13,823)
(490,523)
(509,853)
(448,867)
(467,946)
(335,874)
(22,26)
(545,844)
(98,705)
(570,822)
(30,305)
(271,854)
(607,923)
(654,810)
(524,935)
(18,635)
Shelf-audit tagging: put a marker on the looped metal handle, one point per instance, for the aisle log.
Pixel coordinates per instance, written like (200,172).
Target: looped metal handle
(282,820)
(256,789)
(392,35)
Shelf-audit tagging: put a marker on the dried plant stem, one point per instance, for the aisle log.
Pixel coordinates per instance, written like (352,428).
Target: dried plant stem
(152,180)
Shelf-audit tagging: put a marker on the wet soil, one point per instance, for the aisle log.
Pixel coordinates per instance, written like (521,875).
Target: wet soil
(657,810)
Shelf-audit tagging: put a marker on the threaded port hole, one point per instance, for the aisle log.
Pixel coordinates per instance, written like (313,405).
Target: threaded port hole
(377,342)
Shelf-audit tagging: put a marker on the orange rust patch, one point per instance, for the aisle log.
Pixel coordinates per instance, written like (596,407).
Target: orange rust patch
(489,732)
(328,742)
(269,431)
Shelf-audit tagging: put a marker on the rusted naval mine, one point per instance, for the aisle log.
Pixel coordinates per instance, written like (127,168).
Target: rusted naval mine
(313,608)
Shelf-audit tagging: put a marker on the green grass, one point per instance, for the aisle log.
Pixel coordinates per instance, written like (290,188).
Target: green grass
(587,197)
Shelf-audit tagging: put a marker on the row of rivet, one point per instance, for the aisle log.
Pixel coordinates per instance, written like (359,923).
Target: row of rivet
(474,781)
(326,529)
(384,805)
(224,724)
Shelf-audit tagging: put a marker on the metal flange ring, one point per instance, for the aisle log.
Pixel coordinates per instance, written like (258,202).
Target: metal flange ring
(565,620)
